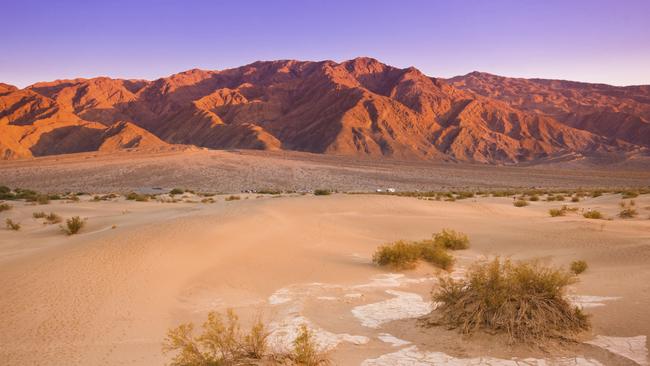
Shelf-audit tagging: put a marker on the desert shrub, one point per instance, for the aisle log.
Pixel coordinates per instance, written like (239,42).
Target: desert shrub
(550,198)
(39,215)
(269,191)
(26,194)
(627,210)
(73,225)
(41,199)
(520,203)
(464,195)
(233,198)
(221,342)
(629,194)
(322,192)
(12,225)
(593,214)
(208,200)
(176,191)
(399,255)
(575,199)
(595,194)
(305,350)
(451,239)
(555,212)
(523,300)
(579,266)
(52,218)
(628,213)
(435,254)
(559,197)
(5,207)
(137,197)
(534,198)
(406,254)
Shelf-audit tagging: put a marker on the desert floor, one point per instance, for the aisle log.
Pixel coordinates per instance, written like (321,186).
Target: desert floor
(108,295)
(236,171)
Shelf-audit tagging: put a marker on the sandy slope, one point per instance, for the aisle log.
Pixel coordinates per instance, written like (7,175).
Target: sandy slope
(107,296)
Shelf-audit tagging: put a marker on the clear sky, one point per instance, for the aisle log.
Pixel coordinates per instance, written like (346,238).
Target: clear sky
(588,40)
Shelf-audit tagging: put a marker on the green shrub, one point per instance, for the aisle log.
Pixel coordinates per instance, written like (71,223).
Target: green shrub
(520,203)
(525,301)
(221,342)
(5,207)
(555,212)
(451,239)
(593,214)
(176,191)
(73,225)
(12,225)
(233,198)
(322,192)
(579,266)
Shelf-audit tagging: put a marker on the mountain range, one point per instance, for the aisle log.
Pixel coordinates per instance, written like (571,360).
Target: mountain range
(359,107)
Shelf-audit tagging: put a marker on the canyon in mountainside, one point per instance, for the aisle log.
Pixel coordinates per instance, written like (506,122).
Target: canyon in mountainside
(360,107)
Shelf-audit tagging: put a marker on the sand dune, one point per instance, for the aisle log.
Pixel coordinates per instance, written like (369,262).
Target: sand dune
(108,295)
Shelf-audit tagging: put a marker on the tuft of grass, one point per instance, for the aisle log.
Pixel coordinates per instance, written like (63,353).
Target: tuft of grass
(73,225)
(555,212)
(579,266)
(305,350)
(12,225)
(322,192)
(233,198)
(593,214)
(39,215)
(523,300)
(5,207)
(520,203)
(451,239)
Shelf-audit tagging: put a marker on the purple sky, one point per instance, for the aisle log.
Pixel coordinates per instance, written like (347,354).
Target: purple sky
(587,40)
